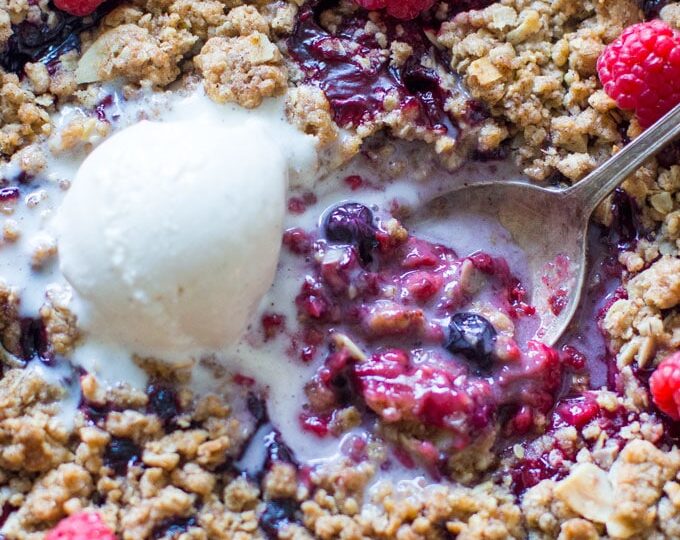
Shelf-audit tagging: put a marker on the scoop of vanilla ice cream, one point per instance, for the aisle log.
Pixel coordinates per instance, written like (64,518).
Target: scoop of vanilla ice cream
(171,232)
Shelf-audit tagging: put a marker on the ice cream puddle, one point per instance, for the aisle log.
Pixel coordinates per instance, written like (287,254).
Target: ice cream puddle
(171,232)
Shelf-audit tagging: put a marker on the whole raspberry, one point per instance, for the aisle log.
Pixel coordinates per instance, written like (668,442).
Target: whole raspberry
(640,70)
(81,526)
(79,8)
(665,386)
(399,9)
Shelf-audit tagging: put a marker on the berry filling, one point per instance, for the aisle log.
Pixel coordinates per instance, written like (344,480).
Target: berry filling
(543,460)
(409,328)
(46,41)
(400,9)
(357,78)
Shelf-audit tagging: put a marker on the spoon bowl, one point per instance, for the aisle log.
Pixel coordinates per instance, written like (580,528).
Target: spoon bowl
(551,233)
(550,225)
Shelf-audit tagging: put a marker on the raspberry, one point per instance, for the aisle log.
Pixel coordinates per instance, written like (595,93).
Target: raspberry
(81,526)
(640,70)
(79,8)
(397,389)
(399,9)
(665,386)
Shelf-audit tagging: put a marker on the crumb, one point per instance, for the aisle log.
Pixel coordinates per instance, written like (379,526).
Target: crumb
(308,108)
(243,70)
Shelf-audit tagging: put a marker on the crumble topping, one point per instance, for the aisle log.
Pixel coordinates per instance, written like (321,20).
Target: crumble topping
(243,21)
(533,64)
(10,330)
(624,501)
(31,440)
(309,110)
(133,53)
(61,327)
(243,69)
(408,511)
(24,118)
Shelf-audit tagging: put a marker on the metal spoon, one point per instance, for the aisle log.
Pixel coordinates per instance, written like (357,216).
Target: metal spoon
(551,225)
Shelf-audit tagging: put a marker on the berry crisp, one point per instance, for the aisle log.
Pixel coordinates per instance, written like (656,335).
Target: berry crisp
(389,380)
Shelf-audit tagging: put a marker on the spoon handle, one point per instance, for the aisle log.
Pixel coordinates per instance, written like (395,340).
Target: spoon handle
(590,191)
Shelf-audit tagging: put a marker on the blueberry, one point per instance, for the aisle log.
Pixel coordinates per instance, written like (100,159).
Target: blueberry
(173,527)
(120,453)
(277,514)
(472,336)
(343,388)
(651,8)
(352,223)
(348,222)
(163,402)
(33,340)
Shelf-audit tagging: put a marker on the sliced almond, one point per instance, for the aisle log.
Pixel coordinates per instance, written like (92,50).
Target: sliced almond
(588,492)
(343,342)
(530,24)
(484,71)
(617,528)
(617,524)
(263,50)
(90,63)
(502,17)
(662,202)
